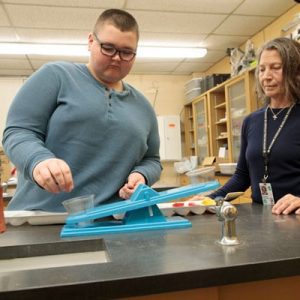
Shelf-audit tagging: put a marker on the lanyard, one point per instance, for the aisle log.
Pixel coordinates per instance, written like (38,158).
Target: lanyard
(266,151)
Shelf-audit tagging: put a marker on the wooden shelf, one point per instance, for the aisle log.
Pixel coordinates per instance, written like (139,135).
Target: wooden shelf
(235,93)
(221,105)
(221,122)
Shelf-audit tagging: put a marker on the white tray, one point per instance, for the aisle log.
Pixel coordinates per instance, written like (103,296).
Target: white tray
(19,217)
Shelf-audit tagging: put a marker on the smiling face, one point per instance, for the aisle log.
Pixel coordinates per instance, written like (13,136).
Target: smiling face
(270,77)
(111,70)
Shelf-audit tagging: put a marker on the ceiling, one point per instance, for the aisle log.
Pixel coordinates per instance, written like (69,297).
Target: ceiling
(214,24)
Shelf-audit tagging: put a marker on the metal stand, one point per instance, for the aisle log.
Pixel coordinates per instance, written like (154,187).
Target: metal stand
(227,213)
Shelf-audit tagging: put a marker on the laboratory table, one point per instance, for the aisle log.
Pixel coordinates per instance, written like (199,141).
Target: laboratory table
(166,264)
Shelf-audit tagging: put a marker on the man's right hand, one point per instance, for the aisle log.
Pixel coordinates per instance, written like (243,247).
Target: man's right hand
(54,175)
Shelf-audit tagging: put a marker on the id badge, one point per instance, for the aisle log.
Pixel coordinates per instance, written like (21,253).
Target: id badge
(266,193)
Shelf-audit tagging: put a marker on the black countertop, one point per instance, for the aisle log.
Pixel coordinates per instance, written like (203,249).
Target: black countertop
(162,261)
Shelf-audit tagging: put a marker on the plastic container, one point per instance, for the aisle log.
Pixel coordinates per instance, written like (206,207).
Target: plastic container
(187,164)
(201,175)
(78,205)
(215,79)
(181,208)
(227,168)
(192,94)
(195,208)
(167,209)
(193,84)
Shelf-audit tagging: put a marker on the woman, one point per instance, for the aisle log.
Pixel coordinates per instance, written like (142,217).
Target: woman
(269,159)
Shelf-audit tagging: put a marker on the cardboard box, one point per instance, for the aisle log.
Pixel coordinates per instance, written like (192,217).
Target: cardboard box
(5,167)
(213,161)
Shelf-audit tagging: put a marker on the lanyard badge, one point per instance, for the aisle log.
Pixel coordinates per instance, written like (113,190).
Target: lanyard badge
(265,187)
(266,193)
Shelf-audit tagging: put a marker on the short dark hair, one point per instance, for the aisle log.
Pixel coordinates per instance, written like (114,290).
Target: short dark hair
(289,51)
(121,19)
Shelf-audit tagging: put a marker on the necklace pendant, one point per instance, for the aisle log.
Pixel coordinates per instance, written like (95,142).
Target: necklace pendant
(274,117)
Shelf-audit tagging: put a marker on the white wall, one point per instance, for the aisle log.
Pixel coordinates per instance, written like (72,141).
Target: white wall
(8,88)
(165,92)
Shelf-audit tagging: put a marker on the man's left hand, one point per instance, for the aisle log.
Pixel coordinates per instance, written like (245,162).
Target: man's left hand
(134,180)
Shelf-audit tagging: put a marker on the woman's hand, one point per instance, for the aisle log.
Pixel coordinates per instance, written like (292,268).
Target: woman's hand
(197,198)
(134,179)
(53,175)
(286,205)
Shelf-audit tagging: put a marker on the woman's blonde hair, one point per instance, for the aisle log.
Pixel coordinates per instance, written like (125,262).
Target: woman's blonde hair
(289,51)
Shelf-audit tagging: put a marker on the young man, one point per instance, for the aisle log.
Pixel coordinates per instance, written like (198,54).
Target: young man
(76,129)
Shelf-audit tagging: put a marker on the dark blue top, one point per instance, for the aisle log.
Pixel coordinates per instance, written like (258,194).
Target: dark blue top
(284,160)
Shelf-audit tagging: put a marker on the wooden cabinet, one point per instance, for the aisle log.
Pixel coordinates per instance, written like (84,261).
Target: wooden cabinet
(240,101)
(224,107)
(217,115)
(201,128)
(189,135)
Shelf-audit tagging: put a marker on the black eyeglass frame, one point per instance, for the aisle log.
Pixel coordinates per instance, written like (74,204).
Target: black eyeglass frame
(118,51)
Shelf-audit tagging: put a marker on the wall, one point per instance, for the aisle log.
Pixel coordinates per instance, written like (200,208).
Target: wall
(271,31)
(165,93)
(8,87)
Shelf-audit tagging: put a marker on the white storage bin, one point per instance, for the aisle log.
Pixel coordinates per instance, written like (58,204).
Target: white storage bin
(193,84)
(227,168)
(191,94)
(201,175)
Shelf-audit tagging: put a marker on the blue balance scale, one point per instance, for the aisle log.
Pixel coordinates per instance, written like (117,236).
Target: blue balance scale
(141,212)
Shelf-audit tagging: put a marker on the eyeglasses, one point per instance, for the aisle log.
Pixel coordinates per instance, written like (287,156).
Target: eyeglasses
(110,50)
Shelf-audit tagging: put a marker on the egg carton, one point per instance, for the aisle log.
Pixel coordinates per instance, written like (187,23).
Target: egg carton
(20,217)
(182,208)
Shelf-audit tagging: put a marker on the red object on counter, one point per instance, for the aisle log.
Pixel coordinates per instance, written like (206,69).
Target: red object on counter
(178,204)
(2,220)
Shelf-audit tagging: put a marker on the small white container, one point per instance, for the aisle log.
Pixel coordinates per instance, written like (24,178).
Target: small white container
(201,175)
(167,209)
(193,84)
(192,94)
(196,208)
(181,208)
(227,168)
